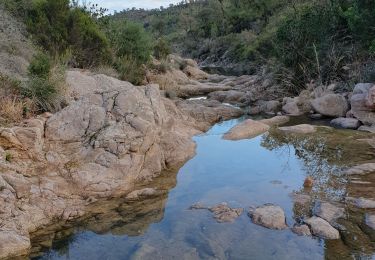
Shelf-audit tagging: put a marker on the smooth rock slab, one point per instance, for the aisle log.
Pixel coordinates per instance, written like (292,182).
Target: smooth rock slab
(276,120)
(361,169)
(301,230)
(246,130)
(269,216)
(328,211)
(321,228)
(298,129)
(361,202)
(370,220)
(346,123)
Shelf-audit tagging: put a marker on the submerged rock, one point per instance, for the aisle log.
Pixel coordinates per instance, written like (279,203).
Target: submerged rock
(269,216)
(301,230)
(370,221)
(223,213)
(361,169)
(321,228)
(361,202)
(298,129)
(246,130)
(328,211)
(347,123)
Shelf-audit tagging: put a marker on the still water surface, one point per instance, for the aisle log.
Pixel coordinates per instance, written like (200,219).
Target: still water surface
(266,169)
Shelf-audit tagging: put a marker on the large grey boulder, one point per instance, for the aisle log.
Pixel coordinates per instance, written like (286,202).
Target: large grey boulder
(269,216)
(246,130)
(321,228)
(333,105)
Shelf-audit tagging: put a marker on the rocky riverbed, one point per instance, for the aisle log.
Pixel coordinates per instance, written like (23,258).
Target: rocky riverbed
(100,158)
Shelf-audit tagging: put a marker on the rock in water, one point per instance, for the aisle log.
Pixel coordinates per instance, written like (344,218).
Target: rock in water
(223,213)
(298,129)
(269,216)
(246,130)
(361,202)
(361,169)
(321,228)
(370,221)
(332,105)
(328,211)
(301,230)
(276,120)
(346,123)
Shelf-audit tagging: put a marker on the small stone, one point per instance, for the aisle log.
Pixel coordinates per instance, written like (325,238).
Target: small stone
(309,182)
(328,211)
(346,123)
(301,230)
(269,216)
(321,228)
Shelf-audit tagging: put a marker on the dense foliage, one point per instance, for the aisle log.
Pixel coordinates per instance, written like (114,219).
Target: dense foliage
(323,40)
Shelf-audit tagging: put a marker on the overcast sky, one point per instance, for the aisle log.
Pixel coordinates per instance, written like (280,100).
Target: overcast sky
(119,5)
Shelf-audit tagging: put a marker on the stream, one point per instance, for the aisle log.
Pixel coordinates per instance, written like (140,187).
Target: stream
(266,169)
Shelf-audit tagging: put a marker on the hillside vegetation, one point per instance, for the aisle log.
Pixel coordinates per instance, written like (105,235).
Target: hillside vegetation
(294,43)
(321,40)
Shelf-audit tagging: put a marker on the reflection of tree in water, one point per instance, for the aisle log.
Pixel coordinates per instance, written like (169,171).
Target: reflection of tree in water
(323,155)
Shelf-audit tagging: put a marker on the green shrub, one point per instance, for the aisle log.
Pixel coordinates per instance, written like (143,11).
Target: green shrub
(131,40)
(130,70)
(162,49)
(89,45)
(40,66)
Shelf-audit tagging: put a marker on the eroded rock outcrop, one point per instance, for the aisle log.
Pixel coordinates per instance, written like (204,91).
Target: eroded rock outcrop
(111,136)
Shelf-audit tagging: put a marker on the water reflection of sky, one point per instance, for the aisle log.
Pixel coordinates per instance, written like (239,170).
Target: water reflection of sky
(243,173)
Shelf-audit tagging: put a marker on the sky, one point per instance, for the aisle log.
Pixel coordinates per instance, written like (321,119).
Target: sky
(119,5)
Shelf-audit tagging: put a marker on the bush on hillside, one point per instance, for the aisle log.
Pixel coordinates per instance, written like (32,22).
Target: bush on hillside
(130,70)
(161,49)
(40,66)
(130,40)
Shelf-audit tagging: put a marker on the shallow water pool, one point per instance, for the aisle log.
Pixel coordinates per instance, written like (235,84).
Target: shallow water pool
(266,169)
